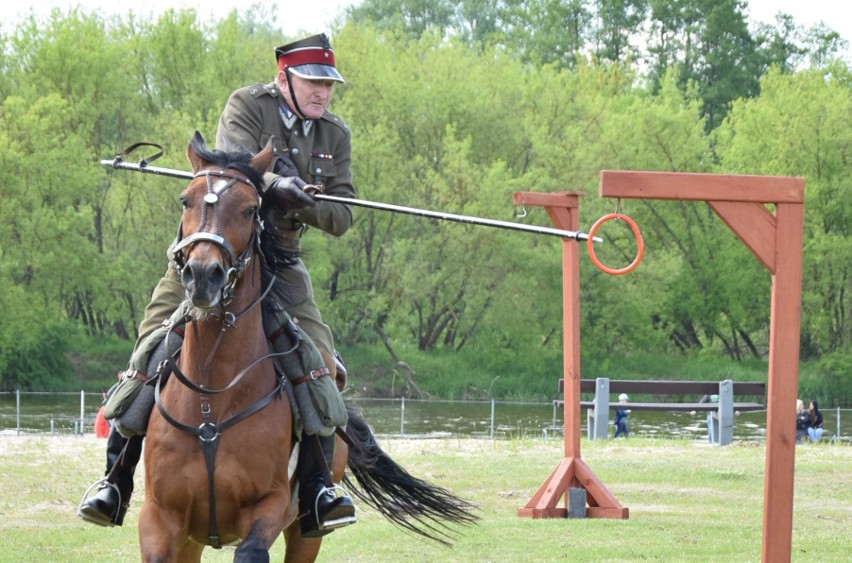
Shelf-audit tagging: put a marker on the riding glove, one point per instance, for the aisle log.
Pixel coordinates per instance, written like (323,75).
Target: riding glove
(288,193)
(283,166)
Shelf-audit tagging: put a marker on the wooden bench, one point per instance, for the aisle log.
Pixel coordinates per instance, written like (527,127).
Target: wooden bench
(722,412)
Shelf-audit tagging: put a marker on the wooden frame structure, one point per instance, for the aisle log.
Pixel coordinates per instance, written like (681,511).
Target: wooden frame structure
(775,239)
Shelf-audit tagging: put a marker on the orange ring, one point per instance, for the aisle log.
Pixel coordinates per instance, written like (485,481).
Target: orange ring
(639,243)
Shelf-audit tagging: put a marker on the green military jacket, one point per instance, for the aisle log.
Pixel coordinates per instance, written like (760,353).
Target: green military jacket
(323,153)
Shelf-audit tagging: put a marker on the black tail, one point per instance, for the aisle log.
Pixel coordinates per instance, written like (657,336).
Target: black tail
(405,500)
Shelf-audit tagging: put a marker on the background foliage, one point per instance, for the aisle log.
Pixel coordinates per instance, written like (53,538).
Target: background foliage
(454,107)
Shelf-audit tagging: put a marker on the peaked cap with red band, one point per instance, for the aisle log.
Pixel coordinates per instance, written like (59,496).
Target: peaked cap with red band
(311,58)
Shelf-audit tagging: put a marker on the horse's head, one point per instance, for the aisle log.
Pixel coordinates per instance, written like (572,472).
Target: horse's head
(219,228)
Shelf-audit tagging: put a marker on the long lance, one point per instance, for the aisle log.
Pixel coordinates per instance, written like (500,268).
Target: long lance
(144,168)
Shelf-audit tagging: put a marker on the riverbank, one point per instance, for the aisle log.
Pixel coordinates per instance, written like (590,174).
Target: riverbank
(688,501)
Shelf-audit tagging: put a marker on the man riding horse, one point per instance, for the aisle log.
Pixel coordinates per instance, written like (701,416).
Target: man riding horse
(313,149)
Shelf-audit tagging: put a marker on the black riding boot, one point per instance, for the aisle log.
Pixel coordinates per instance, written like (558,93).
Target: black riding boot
(115,445)
(109,505)
(323,506)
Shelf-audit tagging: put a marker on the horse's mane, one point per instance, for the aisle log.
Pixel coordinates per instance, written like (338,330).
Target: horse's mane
(238,160)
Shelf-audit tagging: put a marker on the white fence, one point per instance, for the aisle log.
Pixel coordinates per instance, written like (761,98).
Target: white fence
(73,413)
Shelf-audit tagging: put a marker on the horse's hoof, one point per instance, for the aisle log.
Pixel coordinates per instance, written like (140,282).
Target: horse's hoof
(104,508)
(333,509)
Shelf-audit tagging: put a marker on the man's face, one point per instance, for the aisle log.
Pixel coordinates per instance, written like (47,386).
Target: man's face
(313,96)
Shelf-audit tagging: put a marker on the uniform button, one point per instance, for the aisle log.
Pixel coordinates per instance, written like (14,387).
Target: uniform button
(294,151)
(318,170)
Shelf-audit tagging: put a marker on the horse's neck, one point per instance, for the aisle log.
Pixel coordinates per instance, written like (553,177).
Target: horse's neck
(214,350)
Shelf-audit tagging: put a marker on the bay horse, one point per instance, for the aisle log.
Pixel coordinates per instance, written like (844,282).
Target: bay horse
(219,443)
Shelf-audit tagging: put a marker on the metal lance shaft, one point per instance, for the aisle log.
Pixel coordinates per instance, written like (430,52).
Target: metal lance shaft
(576,235)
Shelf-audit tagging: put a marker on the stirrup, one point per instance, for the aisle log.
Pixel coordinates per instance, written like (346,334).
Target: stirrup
(113,520)
(337,491)
(310,524)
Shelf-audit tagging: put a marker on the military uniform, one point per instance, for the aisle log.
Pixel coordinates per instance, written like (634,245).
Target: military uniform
(321,151)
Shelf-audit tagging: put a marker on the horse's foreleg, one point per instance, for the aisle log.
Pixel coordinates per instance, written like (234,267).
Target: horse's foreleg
(299,549)
(162,540)
(190,552)
(255,547)
(267,520)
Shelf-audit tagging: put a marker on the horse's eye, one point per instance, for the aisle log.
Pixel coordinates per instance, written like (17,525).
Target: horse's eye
(184,202)
(251,211)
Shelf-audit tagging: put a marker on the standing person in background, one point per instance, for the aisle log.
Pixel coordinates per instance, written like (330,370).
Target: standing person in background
(815,429)
(621,415)
(801,421)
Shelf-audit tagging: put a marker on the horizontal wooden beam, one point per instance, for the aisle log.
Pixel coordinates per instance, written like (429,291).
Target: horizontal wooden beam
(679,407)
(701,187)
(543,199)
(654,387)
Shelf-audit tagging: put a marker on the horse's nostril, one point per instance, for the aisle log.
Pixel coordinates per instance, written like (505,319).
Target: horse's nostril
(216,275)
(187,275)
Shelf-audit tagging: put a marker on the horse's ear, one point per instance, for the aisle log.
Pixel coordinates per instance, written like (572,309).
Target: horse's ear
(195,145)
(263,160)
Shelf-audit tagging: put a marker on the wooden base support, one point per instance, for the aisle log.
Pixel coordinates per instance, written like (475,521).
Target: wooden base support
(573,471)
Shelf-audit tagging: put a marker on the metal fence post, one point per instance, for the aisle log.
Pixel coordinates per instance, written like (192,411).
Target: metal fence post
(723,422)
(492,419)
(598,417)
(837,435)
(82,411)
(402,419)
(18,411)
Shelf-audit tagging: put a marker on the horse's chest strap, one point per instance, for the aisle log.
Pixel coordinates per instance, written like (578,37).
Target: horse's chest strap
(208,434)
(208,439)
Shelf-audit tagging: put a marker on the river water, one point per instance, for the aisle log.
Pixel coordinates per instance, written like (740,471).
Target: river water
(60,413)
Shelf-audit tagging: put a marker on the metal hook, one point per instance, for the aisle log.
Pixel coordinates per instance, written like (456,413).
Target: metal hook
(521,213)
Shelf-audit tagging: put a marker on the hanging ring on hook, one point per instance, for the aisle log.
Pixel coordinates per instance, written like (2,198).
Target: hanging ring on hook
(640,244)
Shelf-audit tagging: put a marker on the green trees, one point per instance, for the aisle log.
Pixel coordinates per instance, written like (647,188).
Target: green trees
(800,126)
(451,109)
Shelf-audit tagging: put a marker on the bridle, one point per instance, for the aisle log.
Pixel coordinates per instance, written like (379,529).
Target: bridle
(236,264)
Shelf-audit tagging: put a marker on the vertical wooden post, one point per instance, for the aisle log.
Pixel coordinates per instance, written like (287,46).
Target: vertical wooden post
(563,209)
(776,241)
(782,389)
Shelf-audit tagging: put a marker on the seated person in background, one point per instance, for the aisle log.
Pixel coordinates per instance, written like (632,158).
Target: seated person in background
(801,421)
(815,429)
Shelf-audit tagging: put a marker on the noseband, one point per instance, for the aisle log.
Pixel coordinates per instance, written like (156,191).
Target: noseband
(237,264)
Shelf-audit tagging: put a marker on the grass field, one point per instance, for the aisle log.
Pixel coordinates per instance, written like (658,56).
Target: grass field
(688,501)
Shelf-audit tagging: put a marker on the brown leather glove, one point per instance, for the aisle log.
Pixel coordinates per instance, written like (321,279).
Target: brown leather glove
(288,193)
